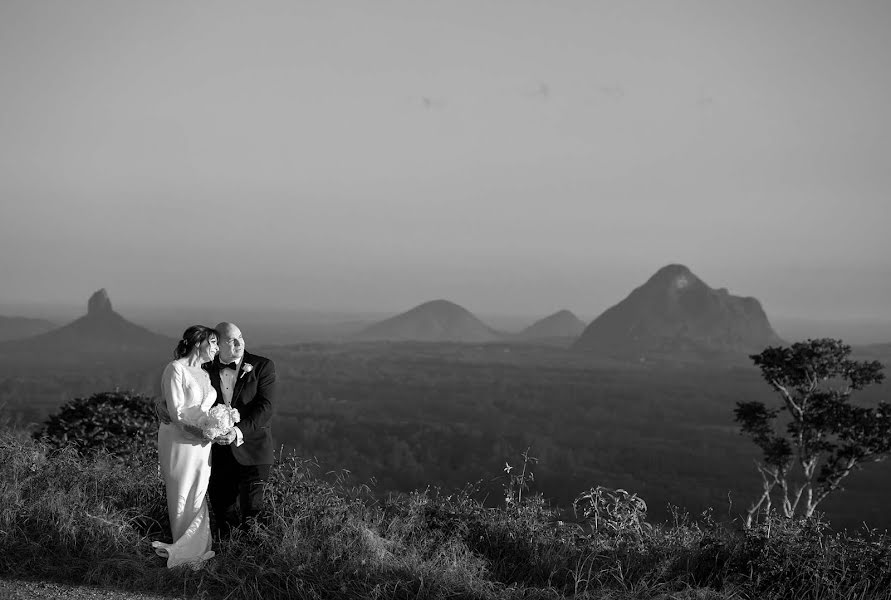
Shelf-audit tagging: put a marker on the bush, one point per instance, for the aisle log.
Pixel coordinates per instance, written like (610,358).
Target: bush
(122,424)
(799,558)
(611,511)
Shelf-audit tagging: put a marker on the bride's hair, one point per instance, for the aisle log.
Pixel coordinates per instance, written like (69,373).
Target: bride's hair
(193,336)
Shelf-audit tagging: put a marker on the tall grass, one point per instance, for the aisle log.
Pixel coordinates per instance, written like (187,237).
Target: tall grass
(68,517)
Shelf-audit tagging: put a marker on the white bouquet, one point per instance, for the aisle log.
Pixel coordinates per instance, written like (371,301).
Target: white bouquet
(218,421)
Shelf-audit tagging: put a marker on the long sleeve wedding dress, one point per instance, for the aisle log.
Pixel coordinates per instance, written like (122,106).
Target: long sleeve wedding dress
(185,464)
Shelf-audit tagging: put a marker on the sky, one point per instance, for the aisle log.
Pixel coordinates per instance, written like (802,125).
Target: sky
(515,157)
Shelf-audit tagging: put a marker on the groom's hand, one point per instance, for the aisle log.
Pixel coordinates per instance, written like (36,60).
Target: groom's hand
(226,439)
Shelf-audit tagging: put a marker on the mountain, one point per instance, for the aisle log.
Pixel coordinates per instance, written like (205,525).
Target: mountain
(561,324)
(675,315)
(101,335)
(14,328)
(435,321)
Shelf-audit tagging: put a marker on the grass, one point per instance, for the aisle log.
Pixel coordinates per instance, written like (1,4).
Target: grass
(91,519)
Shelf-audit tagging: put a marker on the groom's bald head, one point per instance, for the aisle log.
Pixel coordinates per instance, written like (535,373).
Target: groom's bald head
(231,342)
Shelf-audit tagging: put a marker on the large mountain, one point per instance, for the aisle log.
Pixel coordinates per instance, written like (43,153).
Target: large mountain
(676,315)
(561,324)
(435,321)
(14,328)
(101,335)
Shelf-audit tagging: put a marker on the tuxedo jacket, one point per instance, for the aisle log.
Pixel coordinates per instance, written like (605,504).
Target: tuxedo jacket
(254,397)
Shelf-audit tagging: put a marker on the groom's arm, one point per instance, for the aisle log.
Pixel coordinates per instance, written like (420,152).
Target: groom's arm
(258,412)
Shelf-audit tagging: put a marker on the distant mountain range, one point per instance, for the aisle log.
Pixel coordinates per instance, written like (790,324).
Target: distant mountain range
(101,335)
(675,314)
(14,328)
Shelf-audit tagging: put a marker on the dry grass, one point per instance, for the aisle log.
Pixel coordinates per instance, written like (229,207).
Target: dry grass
(72,518)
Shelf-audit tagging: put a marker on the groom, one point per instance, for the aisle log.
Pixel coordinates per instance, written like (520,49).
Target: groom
(242,457)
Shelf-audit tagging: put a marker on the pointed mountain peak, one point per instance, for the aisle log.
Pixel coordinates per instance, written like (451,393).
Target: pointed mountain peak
(99,303)
(673,270)
(676,313)
(101,334)
(674,276)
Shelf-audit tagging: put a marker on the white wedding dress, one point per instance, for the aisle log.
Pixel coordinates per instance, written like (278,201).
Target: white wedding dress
(185,465)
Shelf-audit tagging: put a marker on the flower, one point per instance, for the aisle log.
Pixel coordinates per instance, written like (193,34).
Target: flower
(246,368)
(219,420)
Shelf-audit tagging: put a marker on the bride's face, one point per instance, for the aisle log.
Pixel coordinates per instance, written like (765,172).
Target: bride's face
(208,349)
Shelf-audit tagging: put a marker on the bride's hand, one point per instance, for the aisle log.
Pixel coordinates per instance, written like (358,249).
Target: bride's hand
(194,432)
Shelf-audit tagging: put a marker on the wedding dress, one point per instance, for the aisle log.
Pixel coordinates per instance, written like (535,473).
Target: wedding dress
(185,464)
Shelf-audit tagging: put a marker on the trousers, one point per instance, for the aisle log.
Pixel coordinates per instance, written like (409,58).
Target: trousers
(235,491)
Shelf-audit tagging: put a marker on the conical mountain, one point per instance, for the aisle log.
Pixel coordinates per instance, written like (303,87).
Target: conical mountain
(435,321)
(675,314)
(100,334)
(561,324)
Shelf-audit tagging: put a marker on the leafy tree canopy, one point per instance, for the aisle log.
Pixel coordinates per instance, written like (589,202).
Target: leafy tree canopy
(816,436)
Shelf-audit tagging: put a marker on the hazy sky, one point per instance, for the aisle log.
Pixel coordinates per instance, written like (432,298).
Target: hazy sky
(513,156)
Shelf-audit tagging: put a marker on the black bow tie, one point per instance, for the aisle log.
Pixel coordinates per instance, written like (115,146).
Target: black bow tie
(231,365)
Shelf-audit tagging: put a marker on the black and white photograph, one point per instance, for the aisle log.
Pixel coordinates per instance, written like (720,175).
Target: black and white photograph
(445,299)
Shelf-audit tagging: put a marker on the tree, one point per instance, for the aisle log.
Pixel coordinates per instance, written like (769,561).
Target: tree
(121,423)
(825,436)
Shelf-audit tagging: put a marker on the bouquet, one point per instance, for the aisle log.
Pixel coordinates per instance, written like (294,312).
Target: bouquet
(218,421)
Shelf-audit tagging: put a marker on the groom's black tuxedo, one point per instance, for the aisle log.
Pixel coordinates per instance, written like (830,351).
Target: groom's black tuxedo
(238,473)
(253,396)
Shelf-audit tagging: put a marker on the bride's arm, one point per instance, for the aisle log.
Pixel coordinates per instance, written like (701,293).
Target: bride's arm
(175,399)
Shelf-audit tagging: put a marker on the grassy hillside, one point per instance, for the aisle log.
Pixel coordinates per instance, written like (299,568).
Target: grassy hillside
(71,518)
(412,415)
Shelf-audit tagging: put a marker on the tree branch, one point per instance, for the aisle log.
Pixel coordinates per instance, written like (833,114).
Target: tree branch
(832,483)
(769,480)
(787,397)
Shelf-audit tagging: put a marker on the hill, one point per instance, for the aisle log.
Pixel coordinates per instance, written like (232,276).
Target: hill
(431,543)
(561,324)
(435,321)
(676,315)
(14,328)
(100,336)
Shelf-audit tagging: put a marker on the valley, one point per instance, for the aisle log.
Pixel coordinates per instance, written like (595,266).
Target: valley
(642,399)
(404,416)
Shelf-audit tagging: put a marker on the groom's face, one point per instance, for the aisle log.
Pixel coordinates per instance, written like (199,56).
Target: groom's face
(231,344)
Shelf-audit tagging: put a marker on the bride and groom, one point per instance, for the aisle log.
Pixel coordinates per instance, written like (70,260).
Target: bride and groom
(201,453)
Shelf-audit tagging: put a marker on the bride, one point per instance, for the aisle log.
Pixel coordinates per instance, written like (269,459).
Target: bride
(183,452)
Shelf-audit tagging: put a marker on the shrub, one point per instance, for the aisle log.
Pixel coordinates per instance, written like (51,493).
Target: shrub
(120,423)
(611,511)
